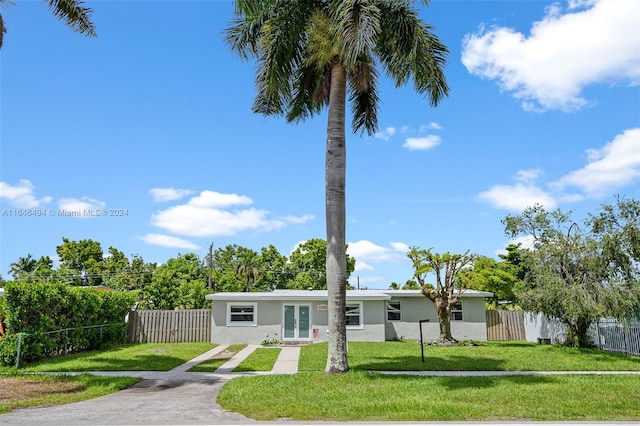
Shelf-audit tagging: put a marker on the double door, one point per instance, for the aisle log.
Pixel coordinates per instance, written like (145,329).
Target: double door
(297,322)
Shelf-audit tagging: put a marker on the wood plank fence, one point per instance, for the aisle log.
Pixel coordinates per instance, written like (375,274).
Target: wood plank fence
(187,325)
(505,325)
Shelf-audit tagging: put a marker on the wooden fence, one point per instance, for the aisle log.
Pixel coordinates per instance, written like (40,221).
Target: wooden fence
(505,325)
(187,325)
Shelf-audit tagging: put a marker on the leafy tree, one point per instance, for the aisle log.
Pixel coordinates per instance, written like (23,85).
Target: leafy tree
(496,277)
(81,260)
(579,274)
(413,285)
(70,11)
(176,283)
(312,54)
(307,264)
(273,269)
(445,295)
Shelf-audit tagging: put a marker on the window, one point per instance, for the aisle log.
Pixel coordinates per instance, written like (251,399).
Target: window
(393,311)
(456,312)
(354,315)
(241,314)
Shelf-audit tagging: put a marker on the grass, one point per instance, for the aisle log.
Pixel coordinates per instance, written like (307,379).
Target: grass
(262,359)
(217,360)
(20,391)
(492,356)
(363,396)
(125,357)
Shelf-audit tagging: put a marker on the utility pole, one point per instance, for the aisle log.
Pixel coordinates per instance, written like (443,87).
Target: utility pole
(210,265)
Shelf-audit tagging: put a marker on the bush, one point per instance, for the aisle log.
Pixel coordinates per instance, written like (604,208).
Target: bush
(38,308)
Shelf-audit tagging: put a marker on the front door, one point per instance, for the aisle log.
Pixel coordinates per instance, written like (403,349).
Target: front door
(297,322)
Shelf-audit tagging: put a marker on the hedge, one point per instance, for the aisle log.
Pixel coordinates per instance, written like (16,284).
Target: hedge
(38,308)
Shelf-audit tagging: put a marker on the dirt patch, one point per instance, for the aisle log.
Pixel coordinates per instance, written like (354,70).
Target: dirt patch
(224,355)
(14,389)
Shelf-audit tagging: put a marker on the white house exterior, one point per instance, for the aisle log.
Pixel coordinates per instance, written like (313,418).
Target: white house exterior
(372,315)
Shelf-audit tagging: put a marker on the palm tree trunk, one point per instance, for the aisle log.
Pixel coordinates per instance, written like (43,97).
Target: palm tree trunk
(335,168)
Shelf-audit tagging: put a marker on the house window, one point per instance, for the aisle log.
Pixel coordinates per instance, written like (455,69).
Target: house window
(354,315)
(393,311)
(456,312)
(239,314)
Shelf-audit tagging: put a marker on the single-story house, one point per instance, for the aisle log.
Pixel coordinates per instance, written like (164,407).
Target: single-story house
(372,315)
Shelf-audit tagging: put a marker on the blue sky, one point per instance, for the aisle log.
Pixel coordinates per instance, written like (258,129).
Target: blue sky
(152,120)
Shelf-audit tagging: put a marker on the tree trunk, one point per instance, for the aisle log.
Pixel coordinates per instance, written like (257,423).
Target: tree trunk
(444,320)
(578,333)
(336,267)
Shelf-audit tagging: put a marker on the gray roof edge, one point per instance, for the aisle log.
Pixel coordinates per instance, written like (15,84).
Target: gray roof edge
(322,295)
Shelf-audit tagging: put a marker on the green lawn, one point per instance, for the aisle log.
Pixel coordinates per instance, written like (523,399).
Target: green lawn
(262,359)
(126,357)
(363,396)
(507,356)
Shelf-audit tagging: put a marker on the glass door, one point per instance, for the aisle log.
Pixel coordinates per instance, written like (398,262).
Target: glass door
(296,322)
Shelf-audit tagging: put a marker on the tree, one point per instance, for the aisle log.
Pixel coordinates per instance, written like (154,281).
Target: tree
(307,264)
(578,274)
(496,277)
(273,269)
(81,260)
(312,54)
(445,295)
(249,269)
(180,281)
(23,267)
(70,11)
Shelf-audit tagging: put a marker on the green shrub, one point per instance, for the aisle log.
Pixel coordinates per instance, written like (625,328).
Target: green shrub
(39,308)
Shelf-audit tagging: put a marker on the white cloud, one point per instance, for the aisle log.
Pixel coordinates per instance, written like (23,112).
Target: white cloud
(422,143)
(169,194)
(523,194)
(168,241)
(431,126)
(363,266)
(299,219)
(615,165)
(21,195)
(368,252)
(80,206)
(210,214)
(385,134)
(564,53)
(217,200)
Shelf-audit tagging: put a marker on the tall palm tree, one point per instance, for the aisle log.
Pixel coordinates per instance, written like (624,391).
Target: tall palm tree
(312,54)
(70,11)
(23,266)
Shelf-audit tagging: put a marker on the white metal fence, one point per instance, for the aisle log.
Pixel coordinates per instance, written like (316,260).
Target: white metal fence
(612,335)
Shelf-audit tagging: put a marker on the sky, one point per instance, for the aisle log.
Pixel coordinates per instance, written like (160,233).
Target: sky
(143,138)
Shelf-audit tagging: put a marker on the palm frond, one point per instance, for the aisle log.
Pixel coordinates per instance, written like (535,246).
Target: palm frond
(310,92)
(3,30)
(75,15)
(363,96)
(408,48)
(357,27)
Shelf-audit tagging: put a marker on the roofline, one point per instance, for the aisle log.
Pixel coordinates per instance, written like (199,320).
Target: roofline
(321,295)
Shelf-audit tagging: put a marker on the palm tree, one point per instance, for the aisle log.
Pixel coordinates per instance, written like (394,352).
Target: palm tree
(23,266)
(248,268)
(312,54)
(70,11)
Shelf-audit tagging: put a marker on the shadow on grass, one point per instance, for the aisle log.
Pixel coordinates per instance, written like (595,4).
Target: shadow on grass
(464,382)
(450,362)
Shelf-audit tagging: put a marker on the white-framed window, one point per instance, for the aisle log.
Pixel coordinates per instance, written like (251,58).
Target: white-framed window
(242,314)
(394,310)
(456,312)
(354,315)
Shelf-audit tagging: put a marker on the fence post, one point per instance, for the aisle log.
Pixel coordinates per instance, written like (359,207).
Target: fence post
(19,349)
